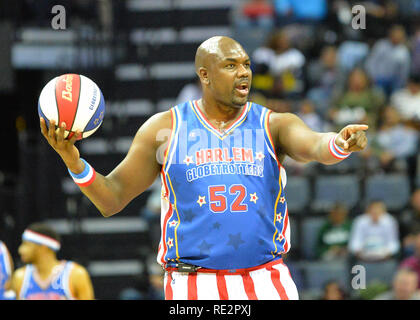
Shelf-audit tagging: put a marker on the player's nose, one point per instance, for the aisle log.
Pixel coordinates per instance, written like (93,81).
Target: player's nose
(243,71)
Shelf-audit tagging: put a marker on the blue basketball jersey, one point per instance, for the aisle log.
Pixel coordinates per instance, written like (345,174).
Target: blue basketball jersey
(5,268)
(57,287)
(223,197)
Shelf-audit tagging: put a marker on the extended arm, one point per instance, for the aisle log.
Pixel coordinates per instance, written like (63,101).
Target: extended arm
(111,193)
(296,140)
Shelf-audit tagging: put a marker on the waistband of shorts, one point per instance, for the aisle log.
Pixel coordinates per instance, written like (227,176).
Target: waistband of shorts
(232,271)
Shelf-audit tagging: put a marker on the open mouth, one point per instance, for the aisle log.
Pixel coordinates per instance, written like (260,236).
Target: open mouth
(242,88)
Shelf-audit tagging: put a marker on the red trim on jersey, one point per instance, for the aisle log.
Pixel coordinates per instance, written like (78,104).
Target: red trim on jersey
(267,128)
(192,286)
(165,248)
(169,295)
(283,232)
(249,287)
(169,212)
(221,287)
(244,108)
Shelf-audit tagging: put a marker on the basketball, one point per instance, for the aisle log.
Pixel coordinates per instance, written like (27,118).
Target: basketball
(75,100)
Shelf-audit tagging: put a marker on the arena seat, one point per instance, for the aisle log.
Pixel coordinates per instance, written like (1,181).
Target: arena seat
(393,189)
(298,193)
(330,189)
(318,273)
(309,232)
(382,271)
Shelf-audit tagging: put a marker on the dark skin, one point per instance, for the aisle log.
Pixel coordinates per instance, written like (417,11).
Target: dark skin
(224,70)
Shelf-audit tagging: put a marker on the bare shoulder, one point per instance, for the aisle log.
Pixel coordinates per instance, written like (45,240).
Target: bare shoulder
(78,271)
(156,124)
(279,123)
(19,273)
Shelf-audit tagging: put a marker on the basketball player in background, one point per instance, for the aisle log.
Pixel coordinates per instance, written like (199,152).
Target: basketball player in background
(6,269)
(224,222)
(44,277)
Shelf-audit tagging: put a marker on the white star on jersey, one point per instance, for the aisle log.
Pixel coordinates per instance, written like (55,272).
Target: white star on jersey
(170,242)
(259,155)
(201,200)
(188,160)
(254,197)
(173,223)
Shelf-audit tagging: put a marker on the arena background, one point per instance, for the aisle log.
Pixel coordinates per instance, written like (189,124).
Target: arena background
(141,55)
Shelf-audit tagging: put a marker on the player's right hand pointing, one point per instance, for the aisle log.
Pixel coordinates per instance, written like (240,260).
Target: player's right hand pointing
(65,148)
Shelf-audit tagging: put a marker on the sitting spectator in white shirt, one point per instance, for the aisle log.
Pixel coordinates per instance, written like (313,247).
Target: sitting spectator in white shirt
(394,143)
(389,61)
(374,234)
(407,100)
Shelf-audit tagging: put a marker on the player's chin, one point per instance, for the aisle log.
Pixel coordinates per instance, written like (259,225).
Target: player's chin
(238,102)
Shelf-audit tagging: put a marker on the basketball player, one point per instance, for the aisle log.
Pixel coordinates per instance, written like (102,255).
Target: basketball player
(6,269)
(224,223)
(44,277)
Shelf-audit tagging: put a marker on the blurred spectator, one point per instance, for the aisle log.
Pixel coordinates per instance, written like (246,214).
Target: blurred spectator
(155,276)
(254,13)
(415,50)
(303,11)
(309,116)
(379,14)
(394,143)
(407,100)
(333,291)
(278,67)
(413,261)
(334,235)
(389,61)
(323,76)
(404,287)
(374,234)
(191,91)
(352,53)
(359,102)
(410,223)
(409,10)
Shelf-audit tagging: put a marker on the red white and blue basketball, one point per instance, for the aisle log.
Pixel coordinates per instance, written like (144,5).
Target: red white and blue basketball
(75,100)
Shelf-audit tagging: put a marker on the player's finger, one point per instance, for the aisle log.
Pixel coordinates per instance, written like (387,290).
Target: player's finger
(354,138)
(60,132)
(43,126)
(341,142)
(356,127)
(51,132)
(360,142)
(73,139)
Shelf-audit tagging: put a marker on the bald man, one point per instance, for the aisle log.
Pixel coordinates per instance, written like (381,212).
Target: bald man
(224,221)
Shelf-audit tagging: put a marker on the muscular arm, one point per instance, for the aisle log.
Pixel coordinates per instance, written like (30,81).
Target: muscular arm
(292,137)
(111,193)
(80,283)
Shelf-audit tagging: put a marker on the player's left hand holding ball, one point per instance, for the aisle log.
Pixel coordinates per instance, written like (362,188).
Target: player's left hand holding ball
(352,138)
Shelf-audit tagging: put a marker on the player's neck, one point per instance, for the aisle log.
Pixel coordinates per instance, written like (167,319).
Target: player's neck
(45,264)
(218,112)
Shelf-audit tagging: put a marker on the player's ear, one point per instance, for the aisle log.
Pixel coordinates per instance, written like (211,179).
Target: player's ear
(204,76)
